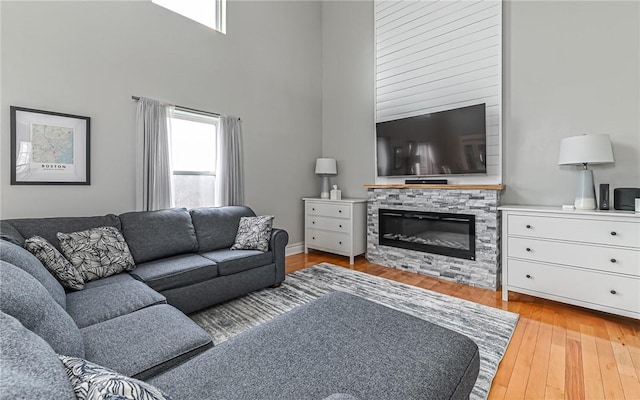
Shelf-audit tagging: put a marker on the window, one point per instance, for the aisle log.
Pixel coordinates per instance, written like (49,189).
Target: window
(193,158)
(211,13)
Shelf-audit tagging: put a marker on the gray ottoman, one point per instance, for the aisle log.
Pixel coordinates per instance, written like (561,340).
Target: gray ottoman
(339,343)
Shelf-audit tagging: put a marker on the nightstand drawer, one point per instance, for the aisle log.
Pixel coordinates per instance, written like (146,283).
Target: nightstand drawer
(615,233)
(611,259)
(329,210)
(329,224)
(331,241)
(577,284)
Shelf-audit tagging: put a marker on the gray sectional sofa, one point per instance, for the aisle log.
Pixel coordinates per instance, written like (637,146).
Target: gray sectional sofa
(182,254)
(337,347)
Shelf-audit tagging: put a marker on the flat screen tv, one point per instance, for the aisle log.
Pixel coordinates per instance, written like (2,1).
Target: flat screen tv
(452,142)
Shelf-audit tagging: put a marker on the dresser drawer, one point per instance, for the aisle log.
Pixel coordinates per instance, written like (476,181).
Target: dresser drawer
(611,259)
(619,292)
(329,210)
(616,233)
(329,224)
(332,241)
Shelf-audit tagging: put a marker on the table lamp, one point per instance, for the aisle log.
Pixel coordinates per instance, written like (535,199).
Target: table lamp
(326,167)
(584,150)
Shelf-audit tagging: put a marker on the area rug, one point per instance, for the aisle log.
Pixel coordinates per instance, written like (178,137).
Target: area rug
(489,328)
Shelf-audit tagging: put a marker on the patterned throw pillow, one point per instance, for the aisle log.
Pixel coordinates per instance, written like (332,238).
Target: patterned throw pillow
(55,262)
(97,253)
(93,382)
(253,233)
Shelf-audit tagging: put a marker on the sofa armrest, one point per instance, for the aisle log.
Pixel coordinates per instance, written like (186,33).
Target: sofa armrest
(277,244)
(9,233)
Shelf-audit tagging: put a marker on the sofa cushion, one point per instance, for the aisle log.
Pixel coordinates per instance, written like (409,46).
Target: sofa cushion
(21,258)
(48,228)
(145,342)
(24,298)
(97,252)
(152,235)
(60,267)
(9,233)
(117,278)
(30,369)
(338,343)
(93,382)
(177,271)
(234,261)
(253,233)
(216,227)
(98,304)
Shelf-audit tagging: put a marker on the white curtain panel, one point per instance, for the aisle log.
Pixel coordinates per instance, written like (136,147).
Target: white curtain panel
(153,181)
(230,169)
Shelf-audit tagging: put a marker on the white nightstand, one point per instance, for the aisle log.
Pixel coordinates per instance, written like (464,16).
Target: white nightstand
(336,226)
(587,258)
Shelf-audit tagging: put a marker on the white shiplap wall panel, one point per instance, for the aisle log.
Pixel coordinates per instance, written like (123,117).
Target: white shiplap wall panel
(427,42)
(436,71)
(416,92)
(442,21)
(396,100)
(433,56)
(438,55)
(421,12)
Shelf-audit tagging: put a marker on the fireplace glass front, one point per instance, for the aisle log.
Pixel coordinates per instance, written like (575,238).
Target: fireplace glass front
(432,232)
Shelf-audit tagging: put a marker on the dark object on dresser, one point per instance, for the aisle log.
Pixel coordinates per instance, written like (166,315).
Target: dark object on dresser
(624,198)
(604,197)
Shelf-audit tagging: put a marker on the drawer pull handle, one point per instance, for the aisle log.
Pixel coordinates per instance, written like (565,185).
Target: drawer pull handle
(528,276)
(528,249)
(340,211)
(313,209)
(613,292)
(340,242)
(340,226)
(528,226)
(314,238)
(313,222)
(613,260)
(613,233)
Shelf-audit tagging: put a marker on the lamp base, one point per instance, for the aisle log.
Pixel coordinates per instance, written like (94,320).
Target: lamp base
(586,191)
(324,193)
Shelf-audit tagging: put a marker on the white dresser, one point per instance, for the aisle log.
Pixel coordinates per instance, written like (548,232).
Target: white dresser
(587,258)
(336,226)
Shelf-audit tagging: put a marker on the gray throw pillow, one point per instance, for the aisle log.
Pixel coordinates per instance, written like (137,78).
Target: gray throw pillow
(97,253)
(254,233)
(55,262)
(93,382)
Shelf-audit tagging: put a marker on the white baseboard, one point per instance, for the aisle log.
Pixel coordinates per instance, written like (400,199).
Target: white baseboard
(294,248)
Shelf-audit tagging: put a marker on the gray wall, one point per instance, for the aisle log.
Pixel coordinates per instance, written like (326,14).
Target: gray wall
(347,93)
(569,68)
(88,58)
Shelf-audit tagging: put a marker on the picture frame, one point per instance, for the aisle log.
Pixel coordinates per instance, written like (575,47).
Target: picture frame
(49,148)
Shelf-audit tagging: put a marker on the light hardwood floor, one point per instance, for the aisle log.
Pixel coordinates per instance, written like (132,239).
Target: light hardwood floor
(557,351)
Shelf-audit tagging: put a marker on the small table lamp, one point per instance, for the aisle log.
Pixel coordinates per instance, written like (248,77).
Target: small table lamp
(326,167)
(585,149)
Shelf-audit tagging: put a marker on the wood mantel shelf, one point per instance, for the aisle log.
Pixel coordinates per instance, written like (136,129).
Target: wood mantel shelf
(462,187)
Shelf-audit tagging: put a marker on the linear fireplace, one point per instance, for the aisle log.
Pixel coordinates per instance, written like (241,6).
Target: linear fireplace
(431,232)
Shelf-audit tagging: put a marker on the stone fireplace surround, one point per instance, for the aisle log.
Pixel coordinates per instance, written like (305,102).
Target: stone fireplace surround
(479,200)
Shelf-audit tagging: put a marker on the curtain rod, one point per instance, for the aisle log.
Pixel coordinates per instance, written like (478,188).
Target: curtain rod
(208,113)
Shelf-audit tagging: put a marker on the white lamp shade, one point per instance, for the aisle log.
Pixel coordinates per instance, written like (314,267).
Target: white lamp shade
(585,149)
(326,166)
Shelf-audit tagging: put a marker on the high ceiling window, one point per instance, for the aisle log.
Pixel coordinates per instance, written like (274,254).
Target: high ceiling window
(211,13)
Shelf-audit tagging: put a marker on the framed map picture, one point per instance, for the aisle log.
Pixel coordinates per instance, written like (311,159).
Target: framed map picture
(49,148)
